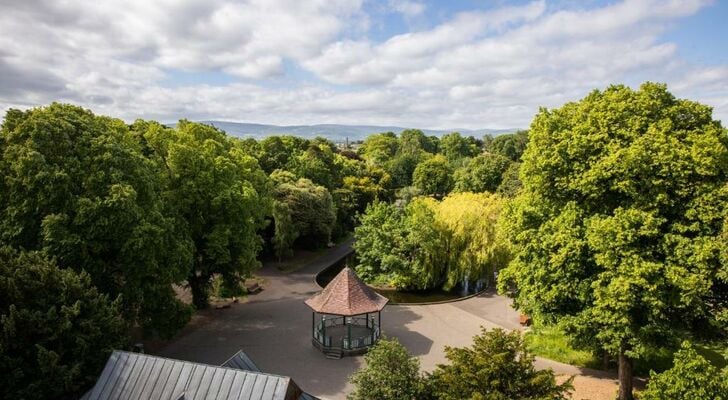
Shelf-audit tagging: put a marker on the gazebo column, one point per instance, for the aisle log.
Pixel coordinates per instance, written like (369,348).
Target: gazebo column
(348,332)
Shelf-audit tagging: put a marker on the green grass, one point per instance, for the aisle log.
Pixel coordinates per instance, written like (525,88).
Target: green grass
(550,342)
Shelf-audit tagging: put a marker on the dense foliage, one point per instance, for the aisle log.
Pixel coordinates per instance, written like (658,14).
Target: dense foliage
(389,373)
(302,210)
(57,329)
(427,243)
(498,366)
(616,230)
(77,187)
(691,377)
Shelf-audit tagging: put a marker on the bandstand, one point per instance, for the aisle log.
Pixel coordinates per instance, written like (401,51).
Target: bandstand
(346,316)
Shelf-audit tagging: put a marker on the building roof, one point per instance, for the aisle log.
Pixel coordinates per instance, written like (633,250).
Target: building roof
(241,361)
(347,295)
(141,376)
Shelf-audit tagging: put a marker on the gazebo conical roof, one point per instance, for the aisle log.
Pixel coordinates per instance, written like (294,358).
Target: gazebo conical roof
(347,295)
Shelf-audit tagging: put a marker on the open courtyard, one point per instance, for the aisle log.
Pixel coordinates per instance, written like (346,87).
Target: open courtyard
(273,328)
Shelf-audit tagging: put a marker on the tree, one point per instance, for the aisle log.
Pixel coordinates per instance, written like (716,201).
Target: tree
(475,249)
(316,164)
(412,142)
(302,210)
(379,148)
(430,244)
(510,181)
(511,145)
(78,187)
(483,173)
(616,230)
(691,377)
(220,196)
(454,146)
(499,367)
(57,329)
(433,176)
(277,151)
(389,373)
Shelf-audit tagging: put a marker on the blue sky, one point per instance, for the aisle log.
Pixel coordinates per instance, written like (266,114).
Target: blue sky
(428,64)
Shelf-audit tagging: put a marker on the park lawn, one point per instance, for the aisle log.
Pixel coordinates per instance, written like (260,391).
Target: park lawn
(552,343)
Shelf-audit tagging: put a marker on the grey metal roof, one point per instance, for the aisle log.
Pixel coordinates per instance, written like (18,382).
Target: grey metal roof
(241,361)
(141,376)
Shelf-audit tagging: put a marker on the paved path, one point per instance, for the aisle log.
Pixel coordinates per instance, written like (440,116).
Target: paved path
(274,328)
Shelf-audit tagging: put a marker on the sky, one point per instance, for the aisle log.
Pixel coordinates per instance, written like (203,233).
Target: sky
(427,64)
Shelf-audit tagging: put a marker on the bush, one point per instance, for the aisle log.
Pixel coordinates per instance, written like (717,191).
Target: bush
(691,377)
(390,373)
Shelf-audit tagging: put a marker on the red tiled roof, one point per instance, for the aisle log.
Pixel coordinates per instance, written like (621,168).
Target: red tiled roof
(347,295)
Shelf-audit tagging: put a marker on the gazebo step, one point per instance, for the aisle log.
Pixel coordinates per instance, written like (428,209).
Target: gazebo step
(334,353)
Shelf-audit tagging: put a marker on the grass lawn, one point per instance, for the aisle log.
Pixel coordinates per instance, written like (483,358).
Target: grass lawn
(550,342)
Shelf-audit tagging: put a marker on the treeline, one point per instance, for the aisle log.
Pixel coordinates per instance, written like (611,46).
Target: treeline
(99,220)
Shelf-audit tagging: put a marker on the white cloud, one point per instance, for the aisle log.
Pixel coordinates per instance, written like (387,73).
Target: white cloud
(407,8)
(477,69)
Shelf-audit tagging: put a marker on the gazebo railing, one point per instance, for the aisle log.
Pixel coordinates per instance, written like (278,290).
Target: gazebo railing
(356,342)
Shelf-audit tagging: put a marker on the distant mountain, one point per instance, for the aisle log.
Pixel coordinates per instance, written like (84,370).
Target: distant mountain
(333,132)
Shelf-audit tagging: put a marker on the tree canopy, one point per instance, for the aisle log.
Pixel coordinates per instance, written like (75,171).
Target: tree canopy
(219,195)
(691,377)
(433,176)
(483,173)
(616,230)
(57,329)
(77,186)
(427,243)
(389,373)
(498,366)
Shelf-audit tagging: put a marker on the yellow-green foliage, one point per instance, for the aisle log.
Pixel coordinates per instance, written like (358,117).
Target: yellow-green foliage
(429,243)
(470,223)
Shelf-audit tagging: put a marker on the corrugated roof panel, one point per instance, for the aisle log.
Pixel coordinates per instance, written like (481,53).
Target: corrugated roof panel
(172,379)
(137,390)
(214,386)
(225,385)
(247,391)
(103,378)
(140,376)
(258,388)
(270,388)
(236,386)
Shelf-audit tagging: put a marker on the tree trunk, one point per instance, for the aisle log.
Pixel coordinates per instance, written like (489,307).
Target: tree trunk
(605,360)
(625,375)
(199,287)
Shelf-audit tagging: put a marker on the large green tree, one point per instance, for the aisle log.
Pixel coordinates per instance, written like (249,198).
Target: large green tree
(498,366)
(511,145)
(302,211)
(220,196)
(483,173)
(56,331)
(78,187)
(433,176)
(616,229)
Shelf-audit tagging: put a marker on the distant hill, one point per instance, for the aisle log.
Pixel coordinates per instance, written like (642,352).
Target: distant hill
(333,132)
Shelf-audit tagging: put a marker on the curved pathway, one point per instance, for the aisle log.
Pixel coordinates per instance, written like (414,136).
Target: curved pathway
(274,328)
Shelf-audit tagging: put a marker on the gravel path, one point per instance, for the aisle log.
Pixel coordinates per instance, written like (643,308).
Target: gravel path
(274,328)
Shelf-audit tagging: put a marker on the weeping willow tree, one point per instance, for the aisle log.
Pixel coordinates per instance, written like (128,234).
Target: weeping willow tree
(428,243)
(470,223)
